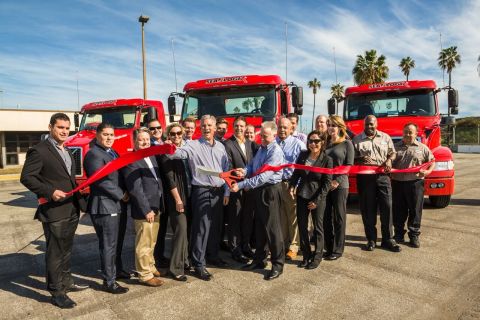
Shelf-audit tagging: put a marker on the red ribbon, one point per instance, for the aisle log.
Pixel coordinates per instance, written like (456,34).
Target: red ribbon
(119,163)
(356,169)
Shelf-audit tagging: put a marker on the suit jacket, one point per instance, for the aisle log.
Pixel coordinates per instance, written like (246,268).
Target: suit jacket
(106,193)
(44,172)
(146,192)
(235,154)
(312,186)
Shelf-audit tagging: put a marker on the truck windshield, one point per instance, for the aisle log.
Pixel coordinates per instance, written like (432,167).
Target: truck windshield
(230,102)
(119,117)
(390,104)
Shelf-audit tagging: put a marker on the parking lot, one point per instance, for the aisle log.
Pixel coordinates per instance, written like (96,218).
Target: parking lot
(441,280)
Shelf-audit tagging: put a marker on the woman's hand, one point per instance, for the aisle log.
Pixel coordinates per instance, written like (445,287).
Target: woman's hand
(311,205)
(179,207)
(334,185)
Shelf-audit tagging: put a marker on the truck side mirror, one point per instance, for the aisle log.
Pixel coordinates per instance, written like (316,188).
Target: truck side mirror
(447,121)
(76,121)
(331,106)
(453,101)
(297,99)
(151,115)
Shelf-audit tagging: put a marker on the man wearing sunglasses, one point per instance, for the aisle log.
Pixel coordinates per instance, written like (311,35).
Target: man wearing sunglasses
(156,132)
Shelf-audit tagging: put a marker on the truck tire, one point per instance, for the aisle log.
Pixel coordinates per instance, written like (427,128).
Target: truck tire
(440,201)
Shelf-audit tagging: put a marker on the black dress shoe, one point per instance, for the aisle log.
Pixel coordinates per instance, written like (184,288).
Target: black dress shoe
(63,302)
(273,274)
(414,242)
(370,246)
(240,258)
(122,274)
(254,266)
(77,287)
(313,264)
(114,288)
(332,257)
(180,277)
(303,264)
(391,245)
(203,274)
(326,254)
(219,263)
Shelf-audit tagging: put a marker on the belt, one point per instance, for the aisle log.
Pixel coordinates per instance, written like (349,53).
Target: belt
(207,187)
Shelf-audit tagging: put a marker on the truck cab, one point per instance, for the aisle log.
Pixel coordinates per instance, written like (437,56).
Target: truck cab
(125,115)
(396,104)
(256,97)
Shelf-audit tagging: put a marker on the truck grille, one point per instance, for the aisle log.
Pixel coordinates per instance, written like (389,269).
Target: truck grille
(77,157)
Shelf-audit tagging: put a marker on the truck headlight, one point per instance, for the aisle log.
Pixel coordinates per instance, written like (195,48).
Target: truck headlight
(443,165)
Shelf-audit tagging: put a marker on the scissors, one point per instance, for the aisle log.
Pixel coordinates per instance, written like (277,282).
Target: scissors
(229,176)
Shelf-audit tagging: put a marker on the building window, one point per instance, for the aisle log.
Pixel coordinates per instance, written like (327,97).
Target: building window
(19,142)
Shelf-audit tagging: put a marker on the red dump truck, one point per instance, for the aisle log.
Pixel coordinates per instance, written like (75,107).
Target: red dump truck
(124,114)
(396,104)
(256,97)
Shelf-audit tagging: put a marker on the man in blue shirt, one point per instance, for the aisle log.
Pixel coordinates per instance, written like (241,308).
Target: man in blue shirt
(209,195)
(291,148)
(267,195)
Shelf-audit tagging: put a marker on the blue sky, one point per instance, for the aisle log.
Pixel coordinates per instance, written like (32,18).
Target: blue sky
(47,45)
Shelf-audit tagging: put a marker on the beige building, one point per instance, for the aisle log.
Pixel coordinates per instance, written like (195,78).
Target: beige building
(20,130)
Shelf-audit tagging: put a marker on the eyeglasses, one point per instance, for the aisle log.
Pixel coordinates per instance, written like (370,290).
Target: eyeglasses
(331,125)
(173,134)
(155,128)
(316,141)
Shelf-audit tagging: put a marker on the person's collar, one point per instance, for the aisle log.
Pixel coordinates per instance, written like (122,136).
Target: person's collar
(102,147)
(414,143)
(240,140)
(203,140)
(285,140)
(55,143)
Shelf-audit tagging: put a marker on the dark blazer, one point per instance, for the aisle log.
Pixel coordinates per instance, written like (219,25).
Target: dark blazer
(312,186)
(44,172)
(106,193)
(235,154)
(146,192)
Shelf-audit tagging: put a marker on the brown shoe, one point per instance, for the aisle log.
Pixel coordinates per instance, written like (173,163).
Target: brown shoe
(290,255)
(154,282)
(157,274)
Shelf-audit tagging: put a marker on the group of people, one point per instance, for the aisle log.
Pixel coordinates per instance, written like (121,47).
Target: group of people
(274,212)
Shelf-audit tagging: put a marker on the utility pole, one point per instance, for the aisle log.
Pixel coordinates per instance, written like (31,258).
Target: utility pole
(286,52)
(174,66)
(78,95)
(144,19)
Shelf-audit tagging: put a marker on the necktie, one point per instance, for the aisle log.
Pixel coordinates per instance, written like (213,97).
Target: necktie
(112,153)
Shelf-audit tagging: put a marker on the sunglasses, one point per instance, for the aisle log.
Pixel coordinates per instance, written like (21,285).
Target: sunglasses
(173,134)
(316,141)
(155,128)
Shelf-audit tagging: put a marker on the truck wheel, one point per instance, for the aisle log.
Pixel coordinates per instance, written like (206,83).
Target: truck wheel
(440,201)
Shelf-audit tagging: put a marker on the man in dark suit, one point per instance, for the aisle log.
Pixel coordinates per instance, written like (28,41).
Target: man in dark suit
(144,185)
(240,153)
(104,204)
(49,172)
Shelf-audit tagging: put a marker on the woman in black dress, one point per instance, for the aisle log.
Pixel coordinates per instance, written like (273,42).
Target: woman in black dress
(311,189)
(340,149)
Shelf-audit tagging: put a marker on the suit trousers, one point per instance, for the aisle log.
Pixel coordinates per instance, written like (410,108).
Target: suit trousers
(106,227)
(159,252)
(59,240)
(145,239)
(268,231)
(122,228)
(248,221)
(237,219)
(407,204)
(288,218)
(317,218)
(179,256)
(335,221)
(207,206)
(375,193)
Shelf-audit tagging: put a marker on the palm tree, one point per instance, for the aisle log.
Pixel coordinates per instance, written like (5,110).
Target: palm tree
(370,69)
(314,84)
(448,60)
(236,110)
(246,104)
(407,64)
(336,91)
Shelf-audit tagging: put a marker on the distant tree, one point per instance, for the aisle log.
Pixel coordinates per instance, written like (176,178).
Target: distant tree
(314,84)
(406,64)
(370,69)
(236,110)
(247,104)
(448,60)
(337,91)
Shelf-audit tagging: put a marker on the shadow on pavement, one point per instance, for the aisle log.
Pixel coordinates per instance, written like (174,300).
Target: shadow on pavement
(26,200)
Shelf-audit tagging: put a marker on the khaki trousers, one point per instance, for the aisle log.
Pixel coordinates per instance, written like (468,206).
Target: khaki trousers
(145,238)
(288,219)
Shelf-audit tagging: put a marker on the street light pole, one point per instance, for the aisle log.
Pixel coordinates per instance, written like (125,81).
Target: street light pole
(144,19)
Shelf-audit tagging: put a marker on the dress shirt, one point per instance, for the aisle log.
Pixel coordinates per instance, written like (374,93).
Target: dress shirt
(201,153)
(410,155)
(63,154)
(300,136)
(378,148)
(272,155)
(150,166)
(291,148)
(242,146)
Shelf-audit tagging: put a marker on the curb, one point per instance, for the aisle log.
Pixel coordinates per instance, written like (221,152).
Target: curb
(10,177)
